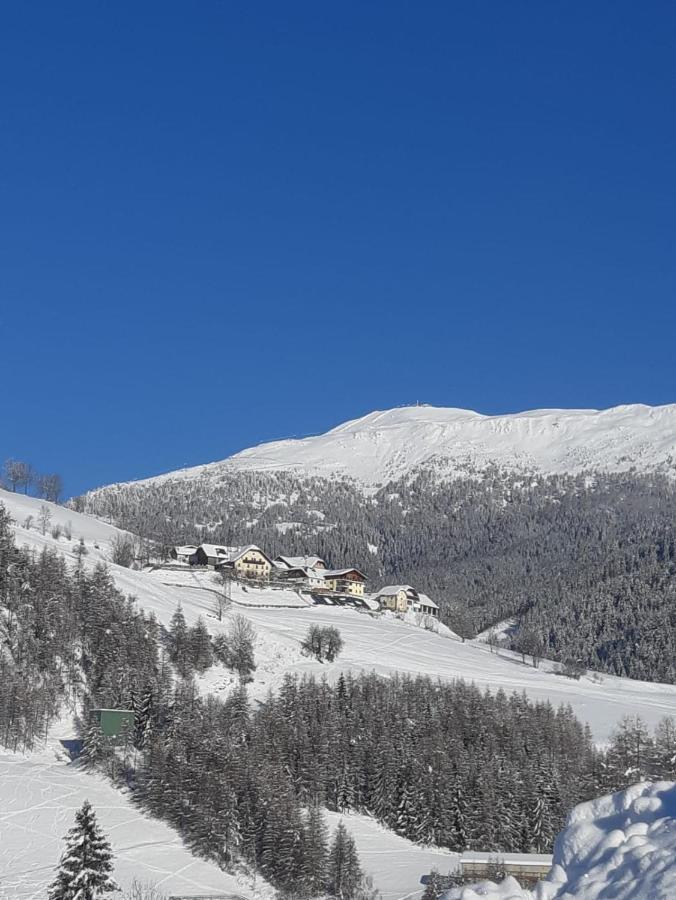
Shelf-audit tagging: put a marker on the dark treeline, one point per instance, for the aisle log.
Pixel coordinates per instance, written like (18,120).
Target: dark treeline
(586,564)
(441,764)
(64,635)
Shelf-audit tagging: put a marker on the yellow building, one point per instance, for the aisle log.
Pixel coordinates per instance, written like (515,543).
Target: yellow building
(245,562)
(252,563)
(345,581)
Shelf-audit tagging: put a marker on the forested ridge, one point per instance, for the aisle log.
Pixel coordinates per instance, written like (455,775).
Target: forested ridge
(437,762)
(585,564)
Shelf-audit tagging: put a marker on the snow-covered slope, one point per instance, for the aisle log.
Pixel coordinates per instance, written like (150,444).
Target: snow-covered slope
(619,847)
(386,445)
(39,796)
(40,793)
(26,511)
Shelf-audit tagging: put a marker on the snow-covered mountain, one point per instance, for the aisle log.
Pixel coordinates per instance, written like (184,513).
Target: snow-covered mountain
(387,445)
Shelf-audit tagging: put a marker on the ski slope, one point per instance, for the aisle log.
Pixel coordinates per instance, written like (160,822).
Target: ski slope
(40,793)
(39,796)
(385,445)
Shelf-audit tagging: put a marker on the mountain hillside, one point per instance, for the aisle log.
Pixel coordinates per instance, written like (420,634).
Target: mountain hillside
(562,520)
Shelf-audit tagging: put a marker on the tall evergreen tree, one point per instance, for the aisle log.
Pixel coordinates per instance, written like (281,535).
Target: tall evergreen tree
(344,870)
(316,853)
(84,872)
(179,643)
(201,652)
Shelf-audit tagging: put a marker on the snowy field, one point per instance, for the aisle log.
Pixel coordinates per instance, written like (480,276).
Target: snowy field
(39,796)
(191,576)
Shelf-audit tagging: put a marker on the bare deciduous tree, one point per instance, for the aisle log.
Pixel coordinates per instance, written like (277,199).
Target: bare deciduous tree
(223,578)
(44,518)
(50,487)
(143,891)
(18,474)
(123,550)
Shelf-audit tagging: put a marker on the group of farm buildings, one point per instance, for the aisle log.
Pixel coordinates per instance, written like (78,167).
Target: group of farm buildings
(308,573)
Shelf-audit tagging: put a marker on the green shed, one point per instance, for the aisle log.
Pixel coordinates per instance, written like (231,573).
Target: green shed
(114,722)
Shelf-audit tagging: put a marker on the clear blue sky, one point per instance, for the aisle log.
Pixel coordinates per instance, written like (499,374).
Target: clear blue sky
(223,223)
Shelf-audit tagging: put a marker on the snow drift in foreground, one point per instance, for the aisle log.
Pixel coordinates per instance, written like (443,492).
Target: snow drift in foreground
(387,445)
(622,846)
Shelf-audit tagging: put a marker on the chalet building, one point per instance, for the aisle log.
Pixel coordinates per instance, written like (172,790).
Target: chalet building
(186,554)
(345,581)
(245,562)
(396,597)
(305,577)
(211,555)
(299,562)
(403,598)
(325,581)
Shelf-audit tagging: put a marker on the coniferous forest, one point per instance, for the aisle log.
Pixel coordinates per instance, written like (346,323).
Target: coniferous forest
(439,763)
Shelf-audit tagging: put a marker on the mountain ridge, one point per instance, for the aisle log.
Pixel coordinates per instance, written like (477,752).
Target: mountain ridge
(385,445)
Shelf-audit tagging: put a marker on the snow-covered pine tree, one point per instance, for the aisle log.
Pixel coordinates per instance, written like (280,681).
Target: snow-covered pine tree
(664,755)
(384,780)
(407,818)
(179,643)
(316,853)
(201,652)
(143,714)
(344,870)
(87,861)
(242,637)
(95,749)
(540,823)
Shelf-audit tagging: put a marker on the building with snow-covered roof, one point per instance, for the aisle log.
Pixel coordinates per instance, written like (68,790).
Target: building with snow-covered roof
(184,554)
(396,597)
(245,562)
(425,605)
(527,868)
(299,562)
(345,581)
(306,577)
(329,581)
(403,598)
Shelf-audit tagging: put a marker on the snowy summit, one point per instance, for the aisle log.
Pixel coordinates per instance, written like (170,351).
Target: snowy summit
(387,445)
